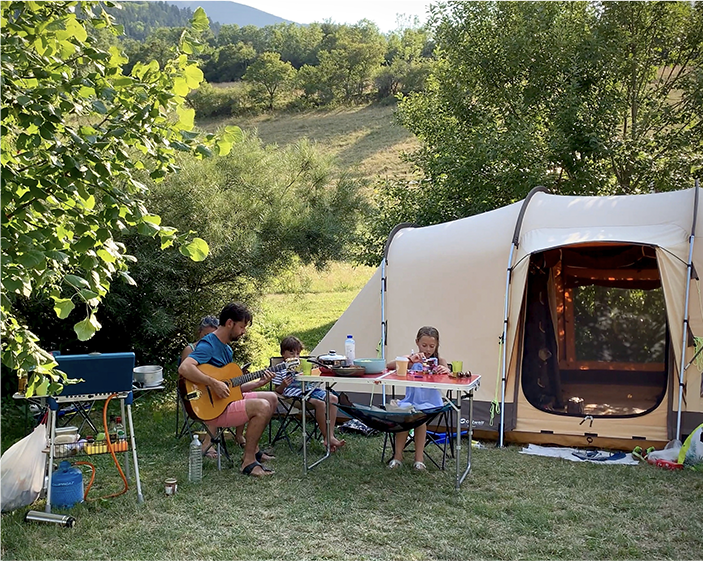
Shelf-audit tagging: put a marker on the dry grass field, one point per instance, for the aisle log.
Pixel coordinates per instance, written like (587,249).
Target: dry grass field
(365,140)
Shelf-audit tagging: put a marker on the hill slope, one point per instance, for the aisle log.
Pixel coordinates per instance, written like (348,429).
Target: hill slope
(366,141)
(225,12)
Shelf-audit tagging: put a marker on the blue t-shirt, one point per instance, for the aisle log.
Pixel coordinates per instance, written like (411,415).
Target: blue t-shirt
(210,350)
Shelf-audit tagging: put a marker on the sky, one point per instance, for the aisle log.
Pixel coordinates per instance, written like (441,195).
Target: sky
(381,12)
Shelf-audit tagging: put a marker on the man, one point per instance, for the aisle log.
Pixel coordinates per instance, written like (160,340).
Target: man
(256,408)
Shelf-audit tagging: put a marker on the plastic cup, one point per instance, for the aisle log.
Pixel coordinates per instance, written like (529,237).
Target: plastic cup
(401,366)
(457,366)
(305,367)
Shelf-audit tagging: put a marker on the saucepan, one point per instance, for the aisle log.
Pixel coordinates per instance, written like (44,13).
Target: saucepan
(332,359)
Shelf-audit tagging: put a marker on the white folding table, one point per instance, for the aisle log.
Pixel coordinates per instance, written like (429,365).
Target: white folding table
(461,387)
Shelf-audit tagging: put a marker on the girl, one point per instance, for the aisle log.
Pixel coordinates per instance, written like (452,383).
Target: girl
(427,342)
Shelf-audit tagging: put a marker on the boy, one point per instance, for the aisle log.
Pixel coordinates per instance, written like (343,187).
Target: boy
(291,347)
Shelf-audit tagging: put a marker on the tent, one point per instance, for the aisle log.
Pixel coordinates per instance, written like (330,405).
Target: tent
(579,314)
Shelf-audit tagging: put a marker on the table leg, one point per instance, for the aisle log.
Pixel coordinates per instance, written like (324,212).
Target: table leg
(328,453)
(52,438)
(305,439)
(140,497)
(126,452)
(469,433)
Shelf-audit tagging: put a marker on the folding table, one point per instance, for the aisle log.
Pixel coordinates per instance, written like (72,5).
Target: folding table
(461,387)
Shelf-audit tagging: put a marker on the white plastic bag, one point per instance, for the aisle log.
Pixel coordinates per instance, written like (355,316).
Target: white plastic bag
(22,468)
(670,453)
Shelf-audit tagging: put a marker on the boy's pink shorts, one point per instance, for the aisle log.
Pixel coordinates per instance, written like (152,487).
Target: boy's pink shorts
(235,414)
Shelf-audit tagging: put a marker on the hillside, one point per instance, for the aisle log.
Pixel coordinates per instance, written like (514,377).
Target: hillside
(365,140)
(228,13)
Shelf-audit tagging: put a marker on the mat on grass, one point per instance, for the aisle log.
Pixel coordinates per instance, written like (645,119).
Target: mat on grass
(595,456)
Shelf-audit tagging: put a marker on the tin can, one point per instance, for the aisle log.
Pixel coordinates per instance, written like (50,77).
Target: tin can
(171,486)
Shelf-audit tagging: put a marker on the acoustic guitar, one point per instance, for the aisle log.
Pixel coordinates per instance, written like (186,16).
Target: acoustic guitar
(203,404)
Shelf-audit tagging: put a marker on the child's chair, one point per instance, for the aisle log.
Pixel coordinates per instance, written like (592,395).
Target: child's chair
(289,415)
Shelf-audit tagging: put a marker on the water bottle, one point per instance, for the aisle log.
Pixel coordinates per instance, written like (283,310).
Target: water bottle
(349,350)
(195,461)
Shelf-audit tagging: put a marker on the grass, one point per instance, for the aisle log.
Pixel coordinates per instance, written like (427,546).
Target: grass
(365,139)
(351,507)
(306,304)
(511,506)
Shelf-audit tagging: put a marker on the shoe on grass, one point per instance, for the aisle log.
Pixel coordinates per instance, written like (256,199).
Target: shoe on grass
(394,464)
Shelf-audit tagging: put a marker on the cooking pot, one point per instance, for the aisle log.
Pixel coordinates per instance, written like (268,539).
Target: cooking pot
(148,376)
(332,359)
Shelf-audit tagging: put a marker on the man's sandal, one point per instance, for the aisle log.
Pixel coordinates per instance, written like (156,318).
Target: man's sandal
(249,470)
(260,456)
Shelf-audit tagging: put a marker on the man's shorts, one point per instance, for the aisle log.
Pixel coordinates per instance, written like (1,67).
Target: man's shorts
(235,414)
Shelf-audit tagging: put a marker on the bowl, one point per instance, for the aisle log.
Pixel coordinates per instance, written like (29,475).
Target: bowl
(148,376)
(372,365)
(349,371)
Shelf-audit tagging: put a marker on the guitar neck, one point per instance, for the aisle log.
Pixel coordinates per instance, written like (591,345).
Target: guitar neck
(244,378)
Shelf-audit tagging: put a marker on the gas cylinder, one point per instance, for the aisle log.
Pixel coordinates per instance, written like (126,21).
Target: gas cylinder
(66,486)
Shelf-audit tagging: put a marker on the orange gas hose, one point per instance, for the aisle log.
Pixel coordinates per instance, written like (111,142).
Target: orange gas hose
(114,458)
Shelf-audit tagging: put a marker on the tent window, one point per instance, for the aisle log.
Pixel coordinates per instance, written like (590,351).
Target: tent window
(595,334)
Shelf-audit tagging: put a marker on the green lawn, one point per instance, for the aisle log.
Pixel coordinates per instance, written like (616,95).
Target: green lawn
(352,507)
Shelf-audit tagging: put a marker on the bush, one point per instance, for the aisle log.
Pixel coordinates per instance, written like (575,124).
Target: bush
(209,101)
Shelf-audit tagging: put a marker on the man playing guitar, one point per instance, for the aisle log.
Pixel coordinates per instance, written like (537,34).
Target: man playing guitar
(256,408)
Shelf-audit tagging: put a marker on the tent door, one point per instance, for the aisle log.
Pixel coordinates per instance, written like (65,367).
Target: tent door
(595,338)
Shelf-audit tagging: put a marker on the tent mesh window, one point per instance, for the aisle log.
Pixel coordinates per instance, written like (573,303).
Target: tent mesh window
(595,334)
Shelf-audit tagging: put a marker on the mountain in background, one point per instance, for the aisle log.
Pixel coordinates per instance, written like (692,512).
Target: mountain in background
(140,19)
(228,13)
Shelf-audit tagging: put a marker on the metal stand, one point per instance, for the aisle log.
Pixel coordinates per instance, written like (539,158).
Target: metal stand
(126,399)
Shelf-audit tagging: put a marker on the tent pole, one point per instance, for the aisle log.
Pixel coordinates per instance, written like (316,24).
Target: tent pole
(384,285)
(509,274)
(689,271)
(502,339)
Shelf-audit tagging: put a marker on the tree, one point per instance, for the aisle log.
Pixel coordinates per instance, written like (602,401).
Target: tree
(77,137)
(586,98)
(229,62)
(271,73)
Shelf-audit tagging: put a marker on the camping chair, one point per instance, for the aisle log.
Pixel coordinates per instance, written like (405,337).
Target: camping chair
(392,422)
(289,414)
(217,437)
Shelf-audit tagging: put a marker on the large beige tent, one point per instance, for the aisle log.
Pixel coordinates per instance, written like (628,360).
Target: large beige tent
(593,314)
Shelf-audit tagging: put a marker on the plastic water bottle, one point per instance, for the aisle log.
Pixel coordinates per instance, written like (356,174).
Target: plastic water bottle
(195,461)
(349,350)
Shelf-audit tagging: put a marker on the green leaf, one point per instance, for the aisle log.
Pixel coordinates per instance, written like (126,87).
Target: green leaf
(186,118)
(199,22)
(197,249)
(180,86)
(86,329)
(63,307)
(106,256)
(129,280)
(77,282)
(194,76)
(87,294)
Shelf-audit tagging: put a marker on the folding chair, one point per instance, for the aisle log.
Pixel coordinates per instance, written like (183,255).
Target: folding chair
(289,414)
(192,424)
